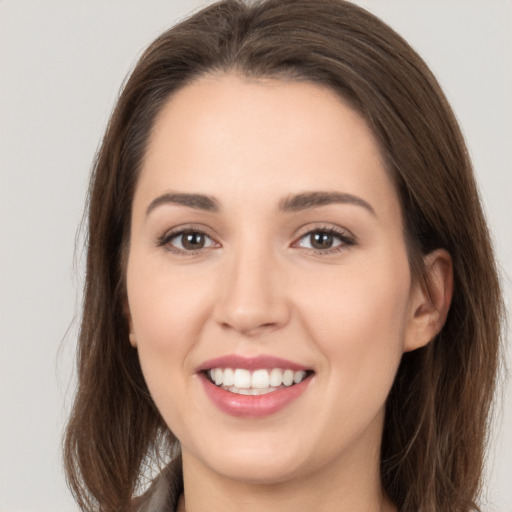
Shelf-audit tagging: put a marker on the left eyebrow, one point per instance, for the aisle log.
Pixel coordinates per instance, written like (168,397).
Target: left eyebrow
(308,200)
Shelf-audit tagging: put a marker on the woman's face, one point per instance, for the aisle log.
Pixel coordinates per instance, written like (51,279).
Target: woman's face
(267,245)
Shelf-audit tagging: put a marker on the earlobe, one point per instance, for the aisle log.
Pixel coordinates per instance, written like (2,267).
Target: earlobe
(431,300)
(133,341)
(128,317)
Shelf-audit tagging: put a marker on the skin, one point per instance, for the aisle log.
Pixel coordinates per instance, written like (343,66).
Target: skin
(258,287)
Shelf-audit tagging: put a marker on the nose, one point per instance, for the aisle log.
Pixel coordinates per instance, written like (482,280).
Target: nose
(252,298)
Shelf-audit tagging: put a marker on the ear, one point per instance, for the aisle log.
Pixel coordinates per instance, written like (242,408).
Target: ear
(131,337)
(128,317)
(430,300)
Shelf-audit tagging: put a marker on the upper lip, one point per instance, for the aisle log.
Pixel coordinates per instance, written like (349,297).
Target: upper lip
(251,363)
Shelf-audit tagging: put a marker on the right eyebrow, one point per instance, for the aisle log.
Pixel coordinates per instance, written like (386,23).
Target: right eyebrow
(196,201)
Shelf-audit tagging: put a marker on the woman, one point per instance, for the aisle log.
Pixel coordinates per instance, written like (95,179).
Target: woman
(290,287)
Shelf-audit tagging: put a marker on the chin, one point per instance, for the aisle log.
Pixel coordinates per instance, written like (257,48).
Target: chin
(259,461)
(258,471)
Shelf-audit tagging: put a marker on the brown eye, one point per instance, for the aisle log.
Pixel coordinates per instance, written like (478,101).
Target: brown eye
(190,241)
(324,240)
(320,240)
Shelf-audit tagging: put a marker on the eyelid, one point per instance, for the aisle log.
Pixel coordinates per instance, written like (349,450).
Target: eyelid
(324,226)
(344,235)
(346,238)
(165,239)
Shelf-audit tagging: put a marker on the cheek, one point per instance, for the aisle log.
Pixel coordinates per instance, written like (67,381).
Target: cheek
(165,306)
(163,332)
(168,308)
(161,321)
(358,321)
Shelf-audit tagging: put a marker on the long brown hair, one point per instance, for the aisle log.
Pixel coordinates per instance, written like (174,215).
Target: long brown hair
(437,411)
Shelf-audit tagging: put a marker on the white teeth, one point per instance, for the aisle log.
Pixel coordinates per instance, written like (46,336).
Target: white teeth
(229,377)
(288,377)
(251,391)
(262,391)
(260,379)
(258,382)
(276,377)
(242,378)
(297,376)
(218,375)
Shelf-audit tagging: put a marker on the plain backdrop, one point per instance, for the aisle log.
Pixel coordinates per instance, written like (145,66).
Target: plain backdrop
(61,66)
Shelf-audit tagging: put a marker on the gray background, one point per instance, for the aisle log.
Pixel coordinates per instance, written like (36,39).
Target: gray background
(61,66)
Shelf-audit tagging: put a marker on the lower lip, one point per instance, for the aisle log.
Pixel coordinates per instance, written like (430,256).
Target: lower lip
(254,406)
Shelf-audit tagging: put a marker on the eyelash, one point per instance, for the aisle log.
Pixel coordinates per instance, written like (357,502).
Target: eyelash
(345,239)
(165,240)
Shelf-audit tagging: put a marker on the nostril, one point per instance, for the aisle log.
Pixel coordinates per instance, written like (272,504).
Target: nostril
(249,301)
(249,326)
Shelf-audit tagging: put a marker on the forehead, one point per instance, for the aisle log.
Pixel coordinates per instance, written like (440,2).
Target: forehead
(230,136)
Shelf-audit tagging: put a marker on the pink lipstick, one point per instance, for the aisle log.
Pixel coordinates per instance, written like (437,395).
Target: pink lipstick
(253,387)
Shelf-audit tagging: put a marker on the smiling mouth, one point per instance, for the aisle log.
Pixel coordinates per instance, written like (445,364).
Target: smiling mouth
(258,382)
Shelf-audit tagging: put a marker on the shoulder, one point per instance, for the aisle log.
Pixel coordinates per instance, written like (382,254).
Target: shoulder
(163,493)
